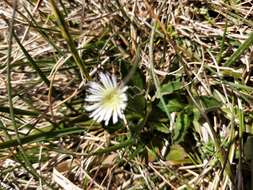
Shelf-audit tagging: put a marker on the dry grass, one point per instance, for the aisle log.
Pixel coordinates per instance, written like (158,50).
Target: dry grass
(194,133)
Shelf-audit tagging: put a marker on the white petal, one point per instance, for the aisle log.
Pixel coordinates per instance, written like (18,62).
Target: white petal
(95,91)
(115,116)
(92,107)
(119,112)
(108,116)
(95,112)
(95,86)
(114,81)
(104,80)
(107,121)
(123,97)
(123,106)
(98,115)
(124,89)
(93,98)
(102,115)
(109,81)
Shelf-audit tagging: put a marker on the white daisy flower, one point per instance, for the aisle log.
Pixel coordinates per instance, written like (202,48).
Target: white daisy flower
(106,99)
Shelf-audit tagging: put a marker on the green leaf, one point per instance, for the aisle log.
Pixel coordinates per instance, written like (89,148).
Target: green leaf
(152,153)
(196,118)
(248,147)
(137,79)
(139,149)
(161,127)
(232,73)
(210,103)
(182,124)
(112,128)
(177,155)
(133,74)
(173,105)
(137,103)
(169,88)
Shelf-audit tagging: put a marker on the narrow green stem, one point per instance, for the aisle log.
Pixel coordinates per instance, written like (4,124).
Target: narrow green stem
(9,87)
(220,151)
(236,55)
(222,43)
(31,61)
(66,35)
(25,161)
(151,62)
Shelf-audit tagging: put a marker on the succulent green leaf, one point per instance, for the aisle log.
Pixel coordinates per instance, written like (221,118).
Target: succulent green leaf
(173,105)
(182,124)
(169,88)
(161,127)
(210,103)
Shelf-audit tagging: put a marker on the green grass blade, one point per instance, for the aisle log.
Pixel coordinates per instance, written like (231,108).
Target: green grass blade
(31,61)
(41,137)
(101,151)
(25,162)
(236,55)
(34,24)
(66,35)
(121,145)
(222,44)
(18,111)
(154,77)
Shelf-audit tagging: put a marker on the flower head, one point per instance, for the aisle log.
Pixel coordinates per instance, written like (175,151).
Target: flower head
(106,99)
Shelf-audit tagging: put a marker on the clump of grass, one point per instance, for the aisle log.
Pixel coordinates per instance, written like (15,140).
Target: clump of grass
(188,120)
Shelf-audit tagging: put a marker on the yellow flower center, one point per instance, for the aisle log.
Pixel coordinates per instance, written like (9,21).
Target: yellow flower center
(111,98)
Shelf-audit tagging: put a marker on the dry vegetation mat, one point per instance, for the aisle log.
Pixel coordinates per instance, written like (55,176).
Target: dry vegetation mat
(126,94)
